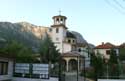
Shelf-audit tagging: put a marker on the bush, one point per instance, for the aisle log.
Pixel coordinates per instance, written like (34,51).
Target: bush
(89,73)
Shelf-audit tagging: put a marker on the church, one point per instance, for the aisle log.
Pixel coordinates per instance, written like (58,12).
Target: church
(73,47)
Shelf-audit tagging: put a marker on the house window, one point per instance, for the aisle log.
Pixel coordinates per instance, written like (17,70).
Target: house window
(73,41)
(107,52)
(3,68)
(57,30)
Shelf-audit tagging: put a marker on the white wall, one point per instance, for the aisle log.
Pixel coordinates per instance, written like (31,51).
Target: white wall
(110,80)
(60,35)
(103,52)
(10,69)
(66,47)
(31,79)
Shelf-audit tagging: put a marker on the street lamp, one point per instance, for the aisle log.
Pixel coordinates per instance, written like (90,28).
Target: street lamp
(60,68)
(84,63)
(77,68)
(106,61)
(87,51)
(84,70)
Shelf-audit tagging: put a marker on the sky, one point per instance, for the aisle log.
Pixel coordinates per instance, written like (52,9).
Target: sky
(97,20)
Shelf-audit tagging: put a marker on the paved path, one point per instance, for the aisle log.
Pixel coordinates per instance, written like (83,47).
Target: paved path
(73,77)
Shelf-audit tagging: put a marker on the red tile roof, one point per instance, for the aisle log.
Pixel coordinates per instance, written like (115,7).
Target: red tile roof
(105,46)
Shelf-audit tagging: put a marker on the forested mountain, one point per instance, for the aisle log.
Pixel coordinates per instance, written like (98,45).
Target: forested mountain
(23,32)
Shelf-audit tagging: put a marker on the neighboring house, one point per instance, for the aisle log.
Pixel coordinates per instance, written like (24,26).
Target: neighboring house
(6,67)
(105,49)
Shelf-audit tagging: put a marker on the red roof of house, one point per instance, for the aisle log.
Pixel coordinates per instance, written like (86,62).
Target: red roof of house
(105,46)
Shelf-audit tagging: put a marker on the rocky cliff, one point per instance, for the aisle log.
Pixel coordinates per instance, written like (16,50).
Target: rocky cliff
(24,32)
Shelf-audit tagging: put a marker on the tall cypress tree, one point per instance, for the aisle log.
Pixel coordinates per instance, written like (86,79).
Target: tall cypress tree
(48,51)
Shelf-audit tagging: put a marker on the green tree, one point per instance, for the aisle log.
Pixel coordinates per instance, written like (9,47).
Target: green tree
(48,52)
(113,64)
(122,53)
(97,63)
(19,51)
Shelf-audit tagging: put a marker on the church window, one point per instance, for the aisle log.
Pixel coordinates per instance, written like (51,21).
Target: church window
(69,41)
(57,19)
(57,30)
(61,19)
(79,50)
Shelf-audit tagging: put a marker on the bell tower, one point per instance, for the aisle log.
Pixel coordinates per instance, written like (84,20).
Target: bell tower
(59,20)
(59,31)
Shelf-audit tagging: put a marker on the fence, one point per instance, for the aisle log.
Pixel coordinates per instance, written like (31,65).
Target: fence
(31,70)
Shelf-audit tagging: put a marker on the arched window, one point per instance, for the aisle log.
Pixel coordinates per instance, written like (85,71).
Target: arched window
(57,20)
(61,21)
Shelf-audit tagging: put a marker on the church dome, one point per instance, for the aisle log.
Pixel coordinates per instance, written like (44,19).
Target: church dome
(70,35)
(79,37)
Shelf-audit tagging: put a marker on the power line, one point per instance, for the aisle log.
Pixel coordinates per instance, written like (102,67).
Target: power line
(119,4)
(113,6)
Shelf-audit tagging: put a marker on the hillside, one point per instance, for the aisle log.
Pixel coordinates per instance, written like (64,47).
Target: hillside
(23,32)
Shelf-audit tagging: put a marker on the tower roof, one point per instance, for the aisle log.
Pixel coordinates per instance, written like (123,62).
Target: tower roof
(61,16)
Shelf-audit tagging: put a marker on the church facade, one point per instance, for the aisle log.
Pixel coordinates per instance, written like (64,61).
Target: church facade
(71,45)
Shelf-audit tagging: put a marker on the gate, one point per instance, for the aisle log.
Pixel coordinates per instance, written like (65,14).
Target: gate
(71,75)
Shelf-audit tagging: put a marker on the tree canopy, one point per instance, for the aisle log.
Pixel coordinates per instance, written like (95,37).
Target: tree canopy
(19,51)
(48,51)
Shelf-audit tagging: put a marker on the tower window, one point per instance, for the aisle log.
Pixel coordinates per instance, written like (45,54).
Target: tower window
(57,30)
(57,19)
(61,19)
